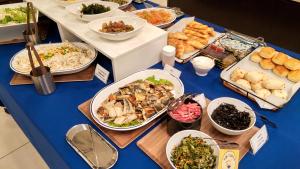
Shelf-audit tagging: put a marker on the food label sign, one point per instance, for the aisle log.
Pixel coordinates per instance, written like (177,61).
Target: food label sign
(173,71)
(259,139)
(101,73)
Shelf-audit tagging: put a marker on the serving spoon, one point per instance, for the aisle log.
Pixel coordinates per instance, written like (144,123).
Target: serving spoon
(264,118)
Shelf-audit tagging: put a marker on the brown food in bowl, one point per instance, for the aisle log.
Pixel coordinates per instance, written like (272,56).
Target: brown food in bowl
(116,27)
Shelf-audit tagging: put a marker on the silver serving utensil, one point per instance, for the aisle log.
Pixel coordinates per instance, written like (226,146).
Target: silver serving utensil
(264,119)
(147,5)
(222,141)
(139,1)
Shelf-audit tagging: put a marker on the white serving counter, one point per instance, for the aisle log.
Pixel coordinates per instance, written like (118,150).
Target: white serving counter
(127,56)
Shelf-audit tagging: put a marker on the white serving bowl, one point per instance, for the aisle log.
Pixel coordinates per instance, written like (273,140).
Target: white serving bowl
(136,22)
(175,140)
(241,106)
(64,3)
(125,5)
(202,65)
(76,8)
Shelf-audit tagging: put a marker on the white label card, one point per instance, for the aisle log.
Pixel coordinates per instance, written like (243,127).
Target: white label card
(259,139)
(101,73)
(173,71)
(200,98)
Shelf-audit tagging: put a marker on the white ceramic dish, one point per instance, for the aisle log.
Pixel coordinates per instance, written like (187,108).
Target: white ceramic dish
(248,65)
(105,92)
(11,25)
(136,22)
(176,139)
(202,65)
(65,3)
(125,5)
(13,31)
(76,8)
(92,52)
(163,25)
(241,106)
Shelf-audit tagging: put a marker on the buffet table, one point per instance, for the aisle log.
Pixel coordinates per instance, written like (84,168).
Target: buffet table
(46,119)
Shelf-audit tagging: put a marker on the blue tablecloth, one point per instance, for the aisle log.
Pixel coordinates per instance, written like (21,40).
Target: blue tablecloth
(46,119)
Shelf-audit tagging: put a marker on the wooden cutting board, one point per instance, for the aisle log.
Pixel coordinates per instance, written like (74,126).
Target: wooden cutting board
(121,139)
(156,150)
(85,75)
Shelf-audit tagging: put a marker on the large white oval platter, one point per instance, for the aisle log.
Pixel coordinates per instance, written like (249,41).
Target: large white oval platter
(105,92)
(92,51)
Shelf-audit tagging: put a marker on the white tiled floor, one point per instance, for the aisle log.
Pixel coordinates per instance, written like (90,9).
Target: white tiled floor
(16,152)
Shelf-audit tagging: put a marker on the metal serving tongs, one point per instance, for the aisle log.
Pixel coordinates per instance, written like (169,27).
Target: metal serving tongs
(179,101)
(264,119)
(255,42)
(31,35)
(41,75)
(224,143)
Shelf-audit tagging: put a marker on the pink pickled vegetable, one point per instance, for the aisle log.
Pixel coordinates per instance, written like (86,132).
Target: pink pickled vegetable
(186,112)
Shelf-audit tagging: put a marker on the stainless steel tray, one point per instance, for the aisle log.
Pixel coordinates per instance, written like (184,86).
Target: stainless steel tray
(92,147)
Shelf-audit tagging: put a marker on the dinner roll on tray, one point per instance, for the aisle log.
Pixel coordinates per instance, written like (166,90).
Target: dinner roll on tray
(267,64)
(281,64)
(292,64)
(260,83)
(294,76)
(280,58)
(267,52)
(281,71)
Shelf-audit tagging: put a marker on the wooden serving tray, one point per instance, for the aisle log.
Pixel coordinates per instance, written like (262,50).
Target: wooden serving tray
(12,41)
(85,75)
(120,138)
(156,150)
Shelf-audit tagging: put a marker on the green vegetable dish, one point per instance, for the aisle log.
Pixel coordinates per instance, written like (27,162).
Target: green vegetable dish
(193,153)
(93,9)
(13,15)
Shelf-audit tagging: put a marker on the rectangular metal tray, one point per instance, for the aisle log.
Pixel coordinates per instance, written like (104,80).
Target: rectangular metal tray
(92,147)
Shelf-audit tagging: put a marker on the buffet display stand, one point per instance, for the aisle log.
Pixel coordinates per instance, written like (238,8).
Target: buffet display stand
(127,57)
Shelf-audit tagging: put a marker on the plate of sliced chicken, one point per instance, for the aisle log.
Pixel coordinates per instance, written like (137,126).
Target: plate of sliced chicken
(136,100)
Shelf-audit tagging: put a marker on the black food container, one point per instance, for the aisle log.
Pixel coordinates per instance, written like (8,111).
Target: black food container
(174,126)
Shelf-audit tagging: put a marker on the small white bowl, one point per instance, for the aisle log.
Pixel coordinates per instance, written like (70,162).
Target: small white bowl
(175,140)
(136,22)
(76,8)
(202,65)
(241,106)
